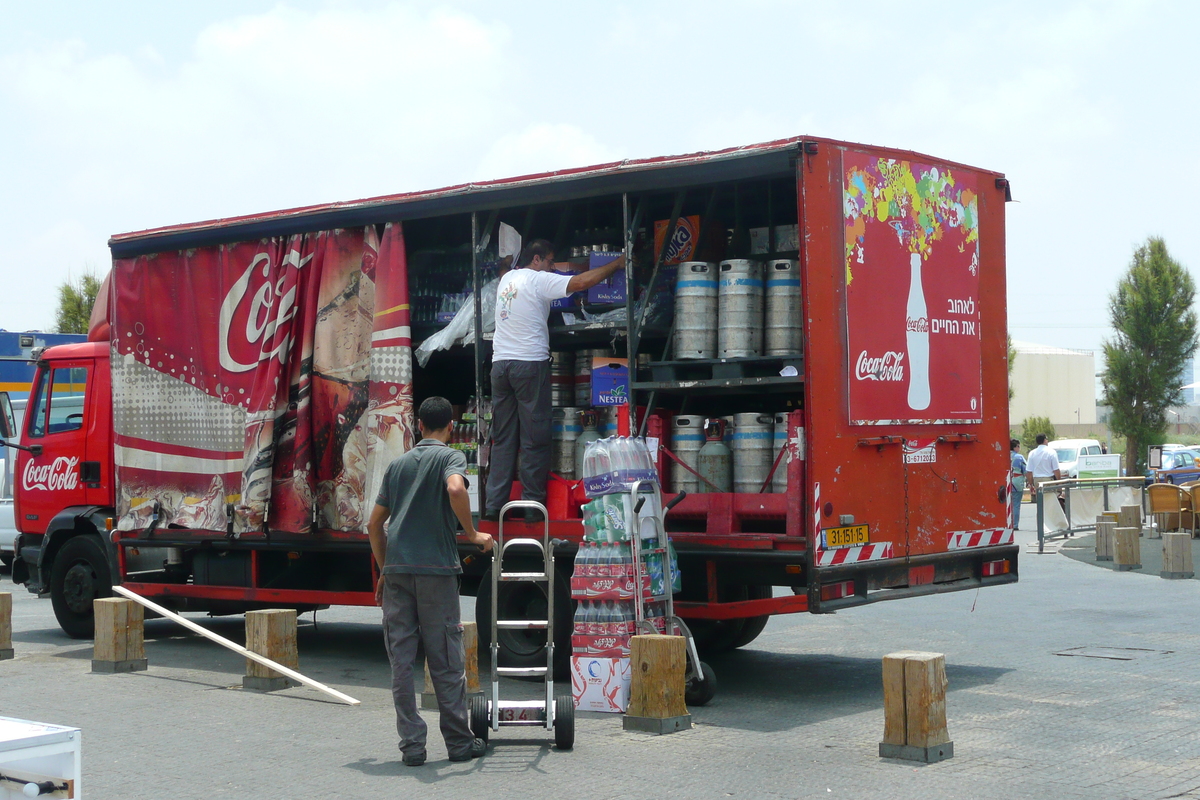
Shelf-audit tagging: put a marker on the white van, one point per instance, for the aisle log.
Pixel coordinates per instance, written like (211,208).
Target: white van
(8,528)
(1069,451)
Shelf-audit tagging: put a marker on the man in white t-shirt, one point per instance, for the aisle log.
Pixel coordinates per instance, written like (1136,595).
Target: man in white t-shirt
(1042,463)
(521,371)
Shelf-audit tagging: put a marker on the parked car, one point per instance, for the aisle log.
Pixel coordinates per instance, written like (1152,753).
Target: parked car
(1069,451)
(8,527)
(1178,466)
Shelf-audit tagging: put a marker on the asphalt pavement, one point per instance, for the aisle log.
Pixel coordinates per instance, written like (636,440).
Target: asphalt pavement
(1075,682)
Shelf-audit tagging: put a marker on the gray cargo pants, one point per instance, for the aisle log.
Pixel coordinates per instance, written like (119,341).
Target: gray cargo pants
(520,417)
(426,605)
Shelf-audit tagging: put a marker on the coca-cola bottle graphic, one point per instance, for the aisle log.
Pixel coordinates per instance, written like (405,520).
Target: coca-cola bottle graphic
(917,333)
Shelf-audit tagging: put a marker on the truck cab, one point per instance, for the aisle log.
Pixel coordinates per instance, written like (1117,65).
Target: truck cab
(63,483)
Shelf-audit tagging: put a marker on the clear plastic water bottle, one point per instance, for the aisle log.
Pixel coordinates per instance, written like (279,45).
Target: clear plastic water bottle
(596,459)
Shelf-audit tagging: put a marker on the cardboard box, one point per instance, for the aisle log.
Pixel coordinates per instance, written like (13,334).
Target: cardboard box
(682,245)
(570,301)
(607,291)
(600,646)
(610,381)
(600,684)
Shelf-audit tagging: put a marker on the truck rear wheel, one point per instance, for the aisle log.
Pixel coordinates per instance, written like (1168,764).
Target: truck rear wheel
(79,576)
(521,600)
(753,626)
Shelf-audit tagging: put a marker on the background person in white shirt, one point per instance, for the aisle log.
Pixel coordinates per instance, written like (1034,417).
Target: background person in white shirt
(1043,463)
(521,371)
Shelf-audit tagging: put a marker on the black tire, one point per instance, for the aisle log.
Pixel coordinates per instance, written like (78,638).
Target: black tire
(699,692)
(79,576)
(564,723)
(480,724)
(753,626)
(526,601)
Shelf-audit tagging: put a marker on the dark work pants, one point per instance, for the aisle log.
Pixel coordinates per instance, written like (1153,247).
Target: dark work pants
(520,419)
(426,606)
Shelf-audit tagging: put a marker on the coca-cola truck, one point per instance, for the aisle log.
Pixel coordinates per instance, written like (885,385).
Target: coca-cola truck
(218,442)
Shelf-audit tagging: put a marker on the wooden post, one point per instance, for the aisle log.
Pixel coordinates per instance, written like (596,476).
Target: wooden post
(1127,551)
(6,648)
(120,644)
(270,633)
(656,704)
(1177,555)
(470,658)
(1130,517)
(914,707)
(1104,538)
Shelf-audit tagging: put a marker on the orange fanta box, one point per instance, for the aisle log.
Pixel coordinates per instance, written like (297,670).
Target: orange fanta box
(682,245)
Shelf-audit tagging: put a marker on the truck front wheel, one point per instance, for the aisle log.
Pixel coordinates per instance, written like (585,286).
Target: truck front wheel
(79,576)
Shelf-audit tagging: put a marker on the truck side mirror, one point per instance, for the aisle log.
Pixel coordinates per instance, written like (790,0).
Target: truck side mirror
(8,423)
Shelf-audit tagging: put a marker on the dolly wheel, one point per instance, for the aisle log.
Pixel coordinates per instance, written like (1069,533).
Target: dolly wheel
(480,724)
(699,691)
(564,723)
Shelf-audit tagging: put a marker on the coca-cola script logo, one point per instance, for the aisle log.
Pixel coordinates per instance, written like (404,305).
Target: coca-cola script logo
(254,309)
(917,325)
(884,368)
(60,474)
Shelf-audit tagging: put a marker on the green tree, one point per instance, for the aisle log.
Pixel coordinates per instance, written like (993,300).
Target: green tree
(75,301)
(1155,325)
(1031,427)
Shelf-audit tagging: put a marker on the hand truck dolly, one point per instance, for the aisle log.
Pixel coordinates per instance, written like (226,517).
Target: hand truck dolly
(555,714)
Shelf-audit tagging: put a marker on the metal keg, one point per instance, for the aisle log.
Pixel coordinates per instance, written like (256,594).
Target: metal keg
(564,430)
(782,319)
(687,437)
(740,309)
(696,310)
(562,378)
(779,480)
(583,374)
(752,440)
(606,421)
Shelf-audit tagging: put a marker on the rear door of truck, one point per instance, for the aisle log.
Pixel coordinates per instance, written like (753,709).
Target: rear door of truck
(906,376)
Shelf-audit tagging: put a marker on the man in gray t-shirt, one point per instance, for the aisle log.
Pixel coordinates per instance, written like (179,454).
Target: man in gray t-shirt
(424,493)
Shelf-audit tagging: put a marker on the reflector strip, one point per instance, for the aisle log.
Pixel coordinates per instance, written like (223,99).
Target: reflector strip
(850,555)
(961,540)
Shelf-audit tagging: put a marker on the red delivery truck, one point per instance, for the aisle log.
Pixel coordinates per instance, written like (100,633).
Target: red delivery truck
(218,442)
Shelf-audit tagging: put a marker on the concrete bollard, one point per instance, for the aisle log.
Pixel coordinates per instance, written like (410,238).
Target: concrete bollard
(120,644)
(271,633)
(914,707)
(656,702)
(6,648)
(470,659)
(1127,551)
(1104,538)
(1177,556)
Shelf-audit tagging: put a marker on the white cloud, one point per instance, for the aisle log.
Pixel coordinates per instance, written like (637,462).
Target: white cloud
(542,147)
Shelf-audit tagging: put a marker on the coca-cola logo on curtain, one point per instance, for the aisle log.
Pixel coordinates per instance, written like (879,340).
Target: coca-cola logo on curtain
(912,292)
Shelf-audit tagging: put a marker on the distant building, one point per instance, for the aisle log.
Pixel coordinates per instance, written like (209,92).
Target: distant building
(1188,375)
(16,372)
(1053,382)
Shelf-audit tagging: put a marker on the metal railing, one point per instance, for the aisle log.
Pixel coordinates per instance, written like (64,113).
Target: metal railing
(1064,488)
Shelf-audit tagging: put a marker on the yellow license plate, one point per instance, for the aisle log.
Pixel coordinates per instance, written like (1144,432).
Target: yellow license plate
(846,536)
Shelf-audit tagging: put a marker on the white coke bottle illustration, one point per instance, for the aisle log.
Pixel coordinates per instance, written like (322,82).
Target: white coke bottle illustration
(917,333)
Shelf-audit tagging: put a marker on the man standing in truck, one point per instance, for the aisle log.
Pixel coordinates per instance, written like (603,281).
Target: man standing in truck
(521,372)
(423,492)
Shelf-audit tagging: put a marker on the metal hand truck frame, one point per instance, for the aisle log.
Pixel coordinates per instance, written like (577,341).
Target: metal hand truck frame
(701,680)
(554,714)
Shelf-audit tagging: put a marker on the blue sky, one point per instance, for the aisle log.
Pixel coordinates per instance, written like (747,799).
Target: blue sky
(125,116)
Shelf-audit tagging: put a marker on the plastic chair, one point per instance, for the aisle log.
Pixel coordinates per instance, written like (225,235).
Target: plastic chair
(1166,498)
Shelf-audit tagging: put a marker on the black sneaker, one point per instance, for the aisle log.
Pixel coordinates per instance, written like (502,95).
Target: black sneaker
(414,759)
(490,515)
(478,748)
(534,516)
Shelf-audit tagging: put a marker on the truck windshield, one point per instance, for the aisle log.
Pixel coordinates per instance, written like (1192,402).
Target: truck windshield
(1066,454)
